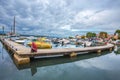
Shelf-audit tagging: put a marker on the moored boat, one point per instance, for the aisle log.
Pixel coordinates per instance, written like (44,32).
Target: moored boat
(41,45)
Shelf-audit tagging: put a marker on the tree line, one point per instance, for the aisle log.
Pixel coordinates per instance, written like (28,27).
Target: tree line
(102,34)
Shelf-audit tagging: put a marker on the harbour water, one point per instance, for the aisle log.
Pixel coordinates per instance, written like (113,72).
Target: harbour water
(83,67)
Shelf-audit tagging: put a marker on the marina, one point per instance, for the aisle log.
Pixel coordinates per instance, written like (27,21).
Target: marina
(59,40)
(46,67)
(22,54)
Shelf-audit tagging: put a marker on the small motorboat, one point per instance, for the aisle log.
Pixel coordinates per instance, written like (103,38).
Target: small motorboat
(20,41)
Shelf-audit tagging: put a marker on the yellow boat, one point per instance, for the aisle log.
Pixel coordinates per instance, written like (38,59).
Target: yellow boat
(41,45)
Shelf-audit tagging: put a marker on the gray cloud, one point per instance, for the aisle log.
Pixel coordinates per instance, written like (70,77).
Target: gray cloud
(60,17)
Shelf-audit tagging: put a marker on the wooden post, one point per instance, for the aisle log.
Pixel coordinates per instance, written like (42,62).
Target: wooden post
(73,54)
(99,52)
(110,49)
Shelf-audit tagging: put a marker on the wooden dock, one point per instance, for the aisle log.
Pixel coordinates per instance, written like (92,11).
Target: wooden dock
(22,54)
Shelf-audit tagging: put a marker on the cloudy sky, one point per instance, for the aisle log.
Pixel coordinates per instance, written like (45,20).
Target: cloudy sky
(60,17)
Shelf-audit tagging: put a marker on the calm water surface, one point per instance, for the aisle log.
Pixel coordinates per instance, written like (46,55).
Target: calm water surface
(83,67)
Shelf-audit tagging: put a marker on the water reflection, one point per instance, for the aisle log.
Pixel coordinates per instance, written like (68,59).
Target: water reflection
(117,50)
(35,63)
(1,51)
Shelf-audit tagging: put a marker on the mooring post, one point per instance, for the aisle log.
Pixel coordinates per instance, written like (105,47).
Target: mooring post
(110,49)
(99,52)
(73,54)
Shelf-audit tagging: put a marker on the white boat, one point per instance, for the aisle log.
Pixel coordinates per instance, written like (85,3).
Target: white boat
(31,38)
(65,41)
(20,41)
(88,43)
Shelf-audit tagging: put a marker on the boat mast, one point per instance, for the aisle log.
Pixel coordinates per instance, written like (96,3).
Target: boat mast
(11,30)
(14,26)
